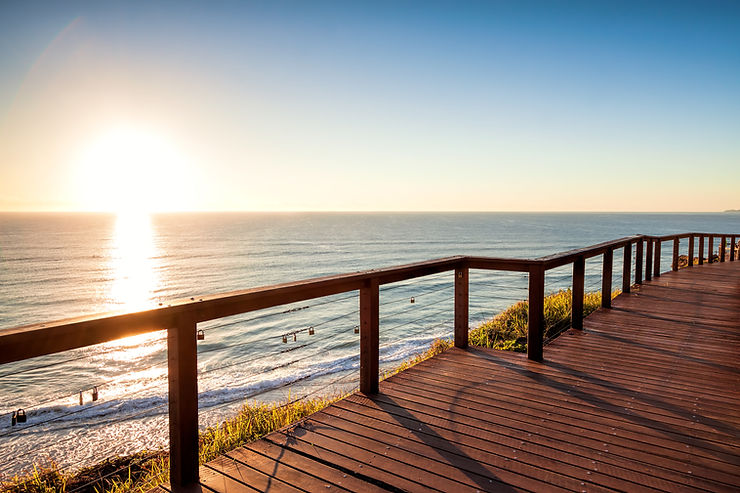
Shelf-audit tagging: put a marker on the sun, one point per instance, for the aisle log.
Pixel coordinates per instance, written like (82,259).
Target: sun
(132,169)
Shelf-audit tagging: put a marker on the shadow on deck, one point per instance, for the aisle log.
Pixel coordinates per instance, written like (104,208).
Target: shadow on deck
(645,398)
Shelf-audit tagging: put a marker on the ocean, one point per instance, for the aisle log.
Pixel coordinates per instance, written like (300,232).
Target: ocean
(54,266)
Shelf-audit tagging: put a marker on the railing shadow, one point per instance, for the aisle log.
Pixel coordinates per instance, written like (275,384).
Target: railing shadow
(669,431)
(475,471)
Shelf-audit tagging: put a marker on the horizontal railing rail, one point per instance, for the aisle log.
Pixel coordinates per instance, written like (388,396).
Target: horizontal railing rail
(180,318)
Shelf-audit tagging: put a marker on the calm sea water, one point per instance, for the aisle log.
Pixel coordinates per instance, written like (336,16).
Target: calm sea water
(54,266)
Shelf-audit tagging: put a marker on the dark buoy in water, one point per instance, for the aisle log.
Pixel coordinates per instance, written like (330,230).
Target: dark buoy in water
(14,419)
(413,300)
(201,335)
(285,339)
(95,394)
(20,415)
(295,337)
(80,397)
(357,330)
(311,331)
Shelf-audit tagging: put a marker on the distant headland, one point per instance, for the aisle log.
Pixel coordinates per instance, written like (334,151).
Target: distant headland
(732,210)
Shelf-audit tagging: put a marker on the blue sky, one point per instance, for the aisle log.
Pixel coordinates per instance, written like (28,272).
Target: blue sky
(370,106)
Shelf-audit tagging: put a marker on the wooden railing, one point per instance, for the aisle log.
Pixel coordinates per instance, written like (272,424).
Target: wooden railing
(180,318)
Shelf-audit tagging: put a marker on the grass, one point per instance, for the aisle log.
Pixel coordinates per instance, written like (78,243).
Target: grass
(508,329)
(143,471)
(437,347)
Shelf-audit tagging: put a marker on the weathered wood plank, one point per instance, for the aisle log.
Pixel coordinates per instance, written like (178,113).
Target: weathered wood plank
(288,458)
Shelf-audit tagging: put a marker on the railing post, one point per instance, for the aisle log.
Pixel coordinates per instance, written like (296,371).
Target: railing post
(182,365)
(369,336)
(656,262)
(732,249)
(722,246)
(691,251)
(710,256)
(536,316)
(638,262)
(627,269)
(674,263)
(701,250)
(649,260)
(576,314)
(461,307)
(606,279)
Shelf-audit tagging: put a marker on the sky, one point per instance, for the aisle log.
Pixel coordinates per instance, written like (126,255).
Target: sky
(376,106)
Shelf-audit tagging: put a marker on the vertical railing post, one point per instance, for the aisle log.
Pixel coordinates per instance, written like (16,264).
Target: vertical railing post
(722,246)
(461,306)
(369,336)
(579,274)
(710,248)
(649,260)
(656,261)
(627,269)
(732,248)
(182,366)
(701,250)
(674,262)
(606,279)
(638,262)
(691,251)
(536,317)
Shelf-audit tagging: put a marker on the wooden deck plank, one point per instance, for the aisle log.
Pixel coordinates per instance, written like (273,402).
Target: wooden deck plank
(577,428)
(585,393)
(484,454)
(373,451)
(621,392)
(636,430)
(326,474)
(515,383)
(645,398)
(238,476)
(535,443)
(423,448)
(364,465)
(572,407)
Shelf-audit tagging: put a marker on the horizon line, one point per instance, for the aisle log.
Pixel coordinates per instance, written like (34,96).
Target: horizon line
(380,211)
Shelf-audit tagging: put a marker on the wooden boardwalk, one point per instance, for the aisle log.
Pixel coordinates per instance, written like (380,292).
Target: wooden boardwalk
(645,398)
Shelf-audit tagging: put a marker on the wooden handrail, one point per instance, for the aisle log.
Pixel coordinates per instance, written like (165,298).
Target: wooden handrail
(181,317)
(29,341)
(564,258)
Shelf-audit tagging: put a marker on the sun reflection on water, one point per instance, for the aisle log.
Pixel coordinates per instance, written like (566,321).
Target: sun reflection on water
(133,265)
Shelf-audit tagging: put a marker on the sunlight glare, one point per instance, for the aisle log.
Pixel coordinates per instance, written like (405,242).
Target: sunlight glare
(133,169)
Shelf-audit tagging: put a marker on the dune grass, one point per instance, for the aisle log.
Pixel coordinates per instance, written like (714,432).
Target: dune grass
(143,471)
(508,329)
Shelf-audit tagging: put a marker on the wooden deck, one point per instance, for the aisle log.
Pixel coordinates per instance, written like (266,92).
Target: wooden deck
(645,398)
